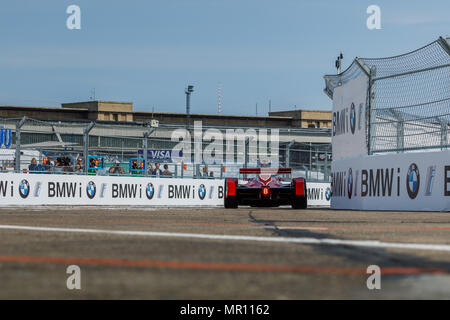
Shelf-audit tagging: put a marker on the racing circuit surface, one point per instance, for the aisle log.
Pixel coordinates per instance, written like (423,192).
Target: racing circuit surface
(214,253)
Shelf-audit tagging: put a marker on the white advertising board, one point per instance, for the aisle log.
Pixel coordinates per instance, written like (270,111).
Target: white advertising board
(408,181)
(319,194)
(349,119)
(55,189)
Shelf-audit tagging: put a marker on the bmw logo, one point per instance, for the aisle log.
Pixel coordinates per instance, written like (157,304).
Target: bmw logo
(328,194)
(91,189)
(202,192)
(350,183)
(150,191)
(24,188)
(413,181)
(352,118)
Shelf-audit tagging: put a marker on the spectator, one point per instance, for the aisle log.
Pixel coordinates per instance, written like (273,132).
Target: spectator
(205,172)
(49,163)
(92,166)
(116,169)
(211,174)
(150,168)
(67,165)
(166,171)
(135,169)
(79,165)
(157,171)
(134,165)
(33,165)
(57,165)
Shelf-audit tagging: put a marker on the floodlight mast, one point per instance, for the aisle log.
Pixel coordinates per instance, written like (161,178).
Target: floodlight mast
(188,92)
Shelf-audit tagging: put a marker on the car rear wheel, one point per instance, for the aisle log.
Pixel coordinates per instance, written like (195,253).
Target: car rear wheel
(299,203)
(231,203)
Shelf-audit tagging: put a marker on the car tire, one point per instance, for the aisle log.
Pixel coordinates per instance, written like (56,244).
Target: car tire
(299,203)
(230,203)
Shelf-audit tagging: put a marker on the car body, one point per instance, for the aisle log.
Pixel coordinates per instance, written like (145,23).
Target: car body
(265,187)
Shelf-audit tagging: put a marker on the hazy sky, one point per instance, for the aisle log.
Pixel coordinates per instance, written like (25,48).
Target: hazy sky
(148,51)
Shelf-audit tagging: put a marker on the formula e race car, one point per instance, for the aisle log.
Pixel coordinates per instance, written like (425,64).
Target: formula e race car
(265,187)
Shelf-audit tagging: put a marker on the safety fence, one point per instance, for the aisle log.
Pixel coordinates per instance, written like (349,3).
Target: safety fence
(408,100)
(118,148)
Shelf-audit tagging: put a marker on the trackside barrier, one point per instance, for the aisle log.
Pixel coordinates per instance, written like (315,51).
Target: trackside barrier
(318,193)
(408,181)
(42,189)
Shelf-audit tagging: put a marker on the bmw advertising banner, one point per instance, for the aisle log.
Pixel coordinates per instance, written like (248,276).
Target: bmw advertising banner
(54,189)
(319,194)
(349,119)
(409,181)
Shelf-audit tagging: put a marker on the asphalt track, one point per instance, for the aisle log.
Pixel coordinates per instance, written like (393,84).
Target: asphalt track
(213,253)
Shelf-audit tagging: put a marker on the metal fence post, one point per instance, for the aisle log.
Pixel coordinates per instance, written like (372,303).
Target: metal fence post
(145,146)
(18,127)
(444,135)
(288,153)
(246,150)
(86,145)
(400,130)
(372,105)
(182,169)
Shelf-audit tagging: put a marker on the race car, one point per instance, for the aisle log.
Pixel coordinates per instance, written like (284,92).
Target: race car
(265,187)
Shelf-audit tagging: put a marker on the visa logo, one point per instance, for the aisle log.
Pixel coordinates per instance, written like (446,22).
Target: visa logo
(160,154)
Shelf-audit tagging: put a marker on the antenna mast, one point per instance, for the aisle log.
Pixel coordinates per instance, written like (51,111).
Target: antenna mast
(92,97)
(219,105)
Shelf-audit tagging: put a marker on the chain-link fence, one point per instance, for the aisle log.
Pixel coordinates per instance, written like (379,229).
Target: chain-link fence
(408,98)
(106,148)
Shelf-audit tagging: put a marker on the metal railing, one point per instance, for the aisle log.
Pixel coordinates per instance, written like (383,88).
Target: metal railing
(408,99)
(66,142)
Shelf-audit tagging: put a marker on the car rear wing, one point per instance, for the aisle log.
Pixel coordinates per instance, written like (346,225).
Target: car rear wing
(265,171)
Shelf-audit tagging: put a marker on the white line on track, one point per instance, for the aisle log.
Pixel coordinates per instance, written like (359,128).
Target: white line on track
(355,243)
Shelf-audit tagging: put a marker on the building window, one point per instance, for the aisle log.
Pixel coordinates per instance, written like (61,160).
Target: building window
(115,117)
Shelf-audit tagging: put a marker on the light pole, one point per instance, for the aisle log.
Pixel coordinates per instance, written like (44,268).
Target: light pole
(188,92)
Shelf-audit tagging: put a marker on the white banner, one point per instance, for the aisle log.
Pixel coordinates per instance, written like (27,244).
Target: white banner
(408,181)
(319,194)
(55,189)
(350,119)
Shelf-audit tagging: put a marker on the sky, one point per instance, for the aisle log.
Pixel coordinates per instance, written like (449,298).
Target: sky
(147,52)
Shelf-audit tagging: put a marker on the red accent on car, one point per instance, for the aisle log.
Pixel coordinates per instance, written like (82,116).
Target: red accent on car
(265,170)
(231,187)
(299,186)
(264,181)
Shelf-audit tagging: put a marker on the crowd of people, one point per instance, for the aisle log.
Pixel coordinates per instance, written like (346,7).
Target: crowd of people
(65,165)
(60,164)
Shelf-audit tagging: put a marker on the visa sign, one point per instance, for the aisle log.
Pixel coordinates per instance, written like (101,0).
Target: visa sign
(159,155)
